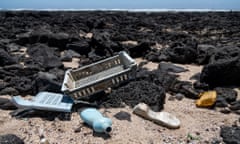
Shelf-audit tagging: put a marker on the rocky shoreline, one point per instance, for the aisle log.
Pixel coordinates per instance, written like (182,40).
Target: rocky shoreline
(35,47)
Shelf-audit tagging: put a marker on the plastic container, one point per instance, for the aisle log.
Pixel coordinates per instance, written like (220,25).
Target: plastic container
(94,118)
(45,101)
(99,76)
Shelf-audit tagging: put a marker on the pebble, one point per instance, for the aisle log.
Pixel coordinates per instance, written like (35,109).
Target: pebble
(179,96)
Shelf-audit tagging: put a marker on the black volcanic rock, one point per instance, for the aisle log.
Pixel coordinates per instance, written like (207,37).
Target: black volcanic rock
(47,82)
(7,104)
(169,67)
(22,84)
(82,47)
(3,84)
(225,53)
(13,47)
(69,54)
(135,92)
(179,54)
(140,50)
(204,53)
(235,105)
(5,58)
(9,91)
(230,135)
(10,139)
(103,40)
(223,69)
(40,36)
(59,40)
(44,56)
(228,94)
(23,38)
(225,96)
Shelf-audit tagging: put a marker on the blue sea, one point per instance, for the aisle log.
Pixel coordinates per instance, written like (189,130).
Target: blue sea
(122,5)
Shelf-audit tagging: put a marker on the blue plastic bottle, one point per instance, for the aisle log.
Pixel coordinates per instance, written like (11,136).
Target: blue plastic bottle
(94,118)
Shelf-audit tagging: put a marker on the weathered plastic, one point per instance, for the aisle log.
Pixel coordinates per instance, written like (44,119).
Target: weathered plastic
(45,101)
(99,76)
(207,99)
(94,118)
(162,118)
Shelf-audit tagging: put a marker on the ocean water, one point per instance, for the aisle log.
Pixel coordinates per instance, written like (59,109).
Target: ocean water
(130,10)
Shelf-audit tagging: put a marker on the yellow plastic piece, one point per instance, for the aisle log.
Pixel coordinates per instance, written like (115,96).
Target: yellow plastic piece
(207,99)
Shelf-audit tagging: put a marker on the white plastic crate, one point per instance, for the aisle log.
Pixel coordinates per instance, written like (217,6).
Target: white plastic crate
(99,76)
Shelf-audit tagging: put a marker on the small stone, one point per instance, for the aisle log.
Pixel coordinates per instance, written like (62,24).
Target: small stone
(123,116)
(198,133)
(179,96)
(224,110)
(171,98)
(77,130)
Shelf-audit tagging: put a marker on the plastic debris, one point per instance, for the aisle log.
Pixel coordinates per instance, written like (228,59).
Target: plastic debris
(94,118)
(99,76)
(207,99)
(45,101)
(162,118)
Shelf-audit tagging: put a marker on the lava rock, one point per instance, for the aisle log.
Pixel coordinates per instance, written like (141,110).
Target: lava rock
(82,47)
(204,53)
(102,40)
(171,68)
(179,96)
(12,47)
(7,104)
(153,55)
(201,86)
(69,54)
(47,82)
(23,38)
(183,51)
(235,105)
(136,92)
(123,116)
(23,84)
(3,84)
(59,73)
(140,50)
(5,58)
(45,56)
(224,54)
(225,73)
(185,88)
(182,55)
(230,135)
(162,78)
(9,91)
(221,102)
(223,69)
(20,70)
(228,94)
(39,36)
(10,139)
(59,40)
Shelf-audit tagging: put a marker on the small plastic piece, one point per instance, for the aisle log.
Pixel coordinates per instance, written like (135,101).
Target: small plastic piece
(162,118)
(45,101)
(94,118)
(207,99)
(99,76)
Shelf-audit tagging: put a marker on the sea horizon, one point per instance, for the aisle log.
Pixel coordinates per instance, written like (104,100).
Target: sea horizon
(130,10)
